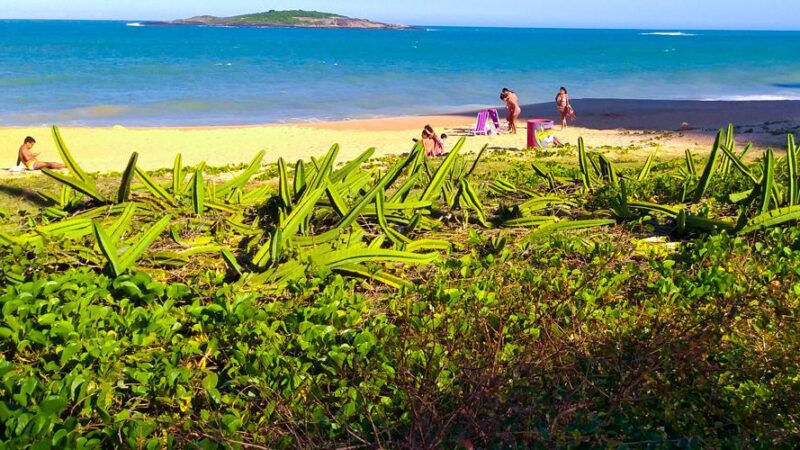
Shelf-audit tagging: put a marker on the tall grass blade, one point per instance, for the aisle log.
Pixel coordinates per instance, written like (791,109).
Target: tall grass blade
(609,172)
(276,246)
(401,194)
(540,203)
(379,276)
(231,261)
(142,243)
(198,191)
(159,192)
(435,185)
(325,167)
(791,161)
(123,222)
(707,224)
(124,191)
(299,182)
(767,181)
(583,164)
(737,197)
(336,199)
(648,165)
(88,189)
(283,185)
(473,201)
(75,227)
(347,257)
(568,225)
(650,208)
(367,198)
(304,208)
(738,164)
(477,160)
(177,175)
(772,219)
(708,171)
(108,249)
(396,237)
(539,171)
(69,161)
(529,221)
(348,168)
(416,159)
(745,151)
(690,167)
(262,256)
(241,179)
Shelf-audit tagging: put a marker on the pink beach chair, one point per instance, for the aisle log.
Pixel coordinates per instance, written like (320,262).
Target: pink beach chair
(480,125)
(495,118)
(488,122)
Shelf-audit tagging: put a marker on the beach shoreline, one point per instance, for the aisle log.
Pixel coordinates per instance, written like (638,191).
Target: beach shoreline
(637,126)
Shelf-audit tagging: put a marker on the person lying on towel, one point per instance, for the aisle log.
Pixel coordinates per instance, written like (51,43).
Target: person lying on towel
(28,158)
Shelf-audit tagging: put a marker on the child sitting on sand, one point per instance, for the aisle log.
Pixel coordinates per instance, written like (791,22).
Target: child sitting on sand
(28,158)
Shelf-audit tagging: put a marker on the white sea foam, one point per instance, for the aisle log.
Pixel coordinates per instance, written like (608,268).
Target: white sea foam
(667,33)
(134,24)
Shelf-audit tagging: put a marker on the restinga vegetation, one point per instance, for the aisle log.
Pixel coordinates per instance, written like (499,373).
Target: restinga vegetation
(333,219)
(406,302)
(322,214)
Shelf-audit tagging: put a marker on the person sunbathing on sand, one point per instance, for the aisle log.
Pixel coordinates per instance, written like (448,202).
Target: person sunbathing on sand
(514,110)
(28,158)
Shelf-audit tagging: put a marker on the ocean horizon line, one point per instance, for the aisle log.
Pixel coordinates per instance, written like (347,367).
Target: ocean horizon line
(421,27)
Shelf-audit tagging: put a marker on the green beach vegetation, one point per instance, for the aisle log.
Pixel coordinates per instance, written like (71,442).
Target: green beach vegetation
(489,299)
(287,17)
(273,17)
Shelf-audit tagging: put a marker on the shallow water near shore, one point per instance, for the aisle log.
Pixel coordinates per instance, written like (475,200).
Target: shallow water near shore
(106,73)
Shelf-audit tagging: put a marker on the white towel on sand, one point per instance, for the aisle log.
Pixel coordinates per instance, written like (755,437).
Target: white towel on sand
(19,168)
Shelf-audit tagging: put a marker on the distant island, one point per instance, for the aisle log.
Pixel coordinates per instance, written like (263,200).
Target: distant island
(292,18)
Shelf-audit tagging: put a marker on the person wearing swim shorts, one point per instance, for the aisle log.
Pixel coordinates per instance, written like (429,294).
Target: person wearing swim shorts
(27,157)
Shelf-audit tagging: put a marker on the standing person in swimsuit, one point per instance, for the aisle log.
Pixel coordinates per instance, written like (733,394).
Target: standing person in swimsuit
(514,110)
(564,107)
(28,158)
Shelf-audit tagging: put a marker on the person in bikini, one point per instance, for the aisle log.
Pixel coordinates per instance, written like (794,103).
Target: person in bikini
(564,107)
(514,110)
(433,144)
(28,158)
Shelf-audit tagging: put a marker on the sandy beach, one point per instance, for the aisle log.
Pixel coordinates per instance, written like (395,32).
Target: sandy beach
(631,126)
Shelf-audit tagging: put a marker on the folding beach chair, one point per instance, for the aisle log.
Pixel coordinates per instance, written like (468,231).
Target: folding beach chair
(482,124)
(495,118)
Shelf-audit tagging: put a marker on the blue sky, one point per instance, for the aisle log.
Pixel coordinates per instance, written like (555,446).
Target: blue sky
(660,14)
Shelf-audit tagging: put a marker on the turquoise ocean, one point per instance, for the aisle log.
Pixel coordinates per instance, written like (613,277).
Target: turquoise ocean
(108,73)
